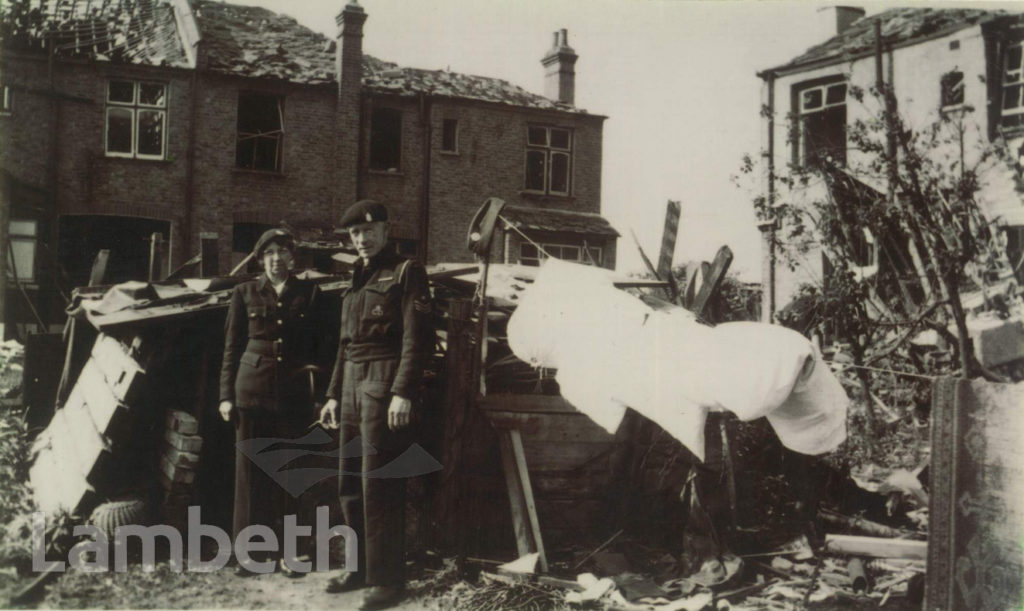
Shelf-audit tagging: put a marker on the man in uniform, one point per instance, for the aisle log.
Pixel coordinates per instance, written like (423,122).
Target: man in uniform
(386,338)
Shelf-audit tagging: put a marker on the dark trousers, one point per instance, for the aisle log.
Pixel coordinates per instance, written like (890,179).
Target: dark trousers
(259,499)
(374,507)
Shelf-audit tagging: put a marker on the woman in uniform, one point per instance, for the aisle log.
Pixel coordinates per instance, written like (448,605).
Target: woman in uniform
(272,337)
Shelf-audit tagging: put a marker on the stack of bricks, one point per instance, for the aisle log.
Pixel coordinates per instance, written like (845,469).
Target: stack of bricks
(178,466)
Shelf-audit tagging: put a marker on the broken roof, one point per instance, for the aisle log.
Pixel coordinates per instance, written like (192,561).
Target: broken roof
(899,26)
(542,219)
(255,42)
(131,31)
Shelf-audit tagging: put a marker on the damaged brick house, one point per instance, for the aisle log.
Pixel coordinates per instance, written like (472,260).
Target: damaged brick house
(200,120)
(963,64)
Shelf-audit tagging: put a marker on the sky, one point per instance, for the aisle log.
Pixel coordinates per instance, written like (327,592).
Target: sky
(676,79)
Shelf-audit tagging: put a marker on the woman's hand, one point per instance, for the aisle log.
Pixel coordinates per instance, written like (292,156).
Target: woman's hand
(329,414)
(226,407)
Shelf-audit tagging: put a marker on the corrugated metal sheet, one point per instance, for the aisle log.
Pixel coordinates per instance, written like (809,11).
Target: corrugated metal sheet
(542,219)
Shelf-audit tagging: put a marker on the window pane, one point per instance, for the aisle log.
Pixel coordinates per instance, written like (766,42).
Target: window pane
(122,92)
(570,253)
(151,132)
(527,250)
(537,136)
(24,259)
(152,94)
(559,173)
(560,138)
(245,152)
(836,94)
(449,135)
(535,170)
(811,99)
(1013,58)
(119,130)
(1011,97)
(22,228)
(595,255)
(265,154)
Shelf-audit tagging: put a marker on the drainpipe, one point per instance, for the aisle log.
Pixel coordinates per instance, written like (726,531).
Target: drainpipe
(426,112)
(190,166)
(769,226)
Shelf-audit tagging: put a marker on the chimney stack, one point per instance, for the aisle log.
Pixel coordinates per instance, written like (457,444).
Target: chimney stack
(838,18)
(348,58)
(559,70)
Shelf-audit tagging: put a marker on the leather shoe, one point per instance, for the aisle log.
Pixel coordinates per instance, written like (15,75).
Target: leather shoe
(381,597)
(346,582)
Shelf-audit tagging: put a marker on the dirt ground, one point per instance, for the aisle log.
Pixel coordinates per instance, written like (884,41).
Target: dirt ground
(165,589)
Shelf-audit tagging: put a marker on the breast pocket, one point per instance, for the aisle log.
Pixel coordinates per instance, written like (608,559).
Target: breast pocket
(380,308)
(257,320)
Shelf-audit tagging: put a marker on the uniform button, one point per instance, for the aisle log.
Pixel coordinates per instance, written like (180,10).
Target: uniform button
(279,340)
(280,322)
(279,359)
(279,304)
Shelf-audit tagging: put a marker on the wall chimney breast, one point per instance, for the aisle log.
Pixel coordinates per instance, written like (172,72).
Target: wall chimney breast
(559,69)
(348,53)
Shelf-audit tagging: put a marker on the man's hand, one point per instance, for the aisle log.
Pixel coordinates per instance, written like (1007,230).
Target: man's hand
(225,409)
(399,412)
(329,414)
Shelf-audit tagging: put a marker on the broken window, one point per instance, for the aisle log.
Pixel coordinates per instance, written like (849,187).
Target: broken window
(260,131)
(136,119)
(21,258)
(822,124)
(385,139)
(530,255)
(548,160)
(1013,86)
(952,85)
(5,100)
(450,136)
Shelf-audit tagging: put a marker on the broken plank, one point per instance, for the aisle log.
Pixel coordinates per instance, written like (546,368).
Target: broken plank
(531,507)
(876,547)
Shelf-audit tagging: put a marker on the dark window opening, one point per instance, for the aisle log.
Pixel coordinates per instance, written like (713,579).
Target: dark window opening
(385,139)
(822,134)
(127,239)
(952,85)
(450,136)
(260,132)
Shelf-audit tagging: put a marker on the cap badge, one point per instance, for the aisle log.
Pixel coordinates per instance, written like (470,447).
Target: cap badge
(369,217)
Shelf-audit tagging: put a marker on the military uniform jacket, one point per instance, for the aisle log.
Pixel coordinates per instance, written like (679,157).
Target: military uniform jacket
(268,339)
(386,314)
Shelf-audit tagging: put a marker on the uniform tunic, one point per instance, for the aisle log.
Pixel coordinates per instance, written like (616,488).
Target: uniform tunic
(386,338)
(268,339)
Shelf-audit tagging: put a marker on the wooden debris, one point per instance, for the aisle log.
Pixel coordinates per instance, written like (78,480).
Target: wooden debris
(876,547)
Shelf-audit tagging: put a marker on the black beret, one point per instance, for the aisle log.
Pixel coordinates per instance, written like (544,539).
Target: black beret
(279,235)
(364,211)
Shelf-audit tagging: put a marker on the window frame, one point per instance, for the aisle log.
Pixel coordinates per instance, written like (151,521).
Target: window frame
(455,136)
(21,237)
(549,152)
(135,107)
(276,135)
(1004,85)
(596,252)
(944,88)
(799,90)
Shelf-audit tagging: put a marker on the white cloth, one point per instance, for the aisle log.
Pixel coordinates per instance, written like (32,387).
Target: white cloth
(613,351)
